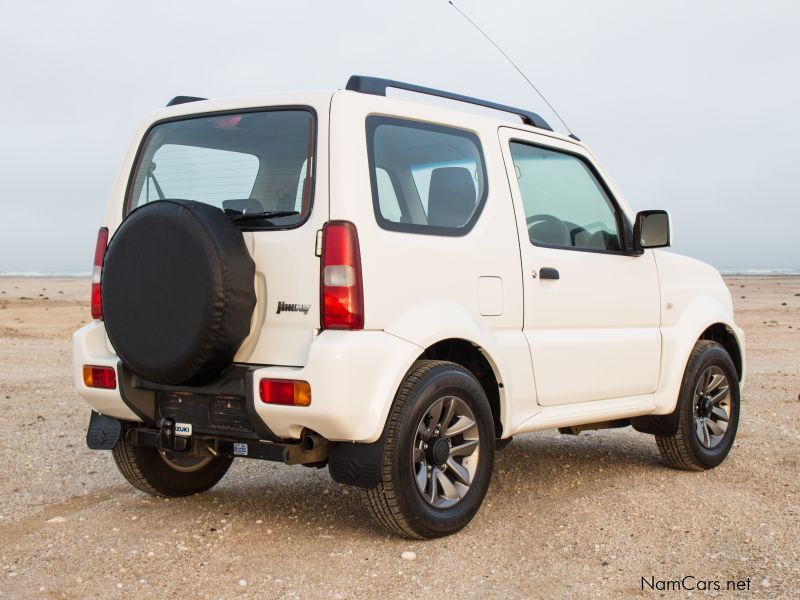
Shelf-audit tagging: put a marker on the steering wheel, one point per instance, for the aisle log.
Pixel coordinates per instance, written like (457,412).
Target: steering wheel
(557,229)
(542,217)
(591,225)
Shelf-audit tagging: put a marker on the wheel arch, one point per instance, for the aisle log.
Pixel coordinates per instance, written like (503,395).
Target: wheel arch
(359,464)
(725,336)
(447,329)
(701,320)
(475,360)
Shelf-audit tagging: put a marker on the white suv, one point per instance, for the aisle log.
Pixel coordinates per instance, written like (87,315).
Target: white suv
(392,288)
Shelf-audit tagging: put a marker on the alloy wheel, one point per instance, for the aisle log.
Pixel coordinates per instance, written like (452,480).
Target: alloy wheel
(712,407)
(446,452)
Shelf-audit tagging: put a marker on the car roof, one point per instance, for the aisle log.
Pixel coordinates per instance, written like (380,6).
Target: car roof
(498,114)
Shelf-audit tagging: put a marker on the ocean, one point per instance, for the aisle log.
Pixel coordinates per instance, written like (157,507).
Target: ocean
(762,272)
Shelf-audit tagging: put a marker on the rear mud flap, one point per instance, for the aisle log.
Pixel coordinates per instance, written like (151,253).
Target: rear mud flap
(357,464)
(103,432)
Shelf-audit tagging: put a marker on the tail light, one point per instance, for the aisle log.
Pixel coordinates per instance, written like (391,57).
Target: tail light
(341,289)
(97,271)
(285,391)
(104,378)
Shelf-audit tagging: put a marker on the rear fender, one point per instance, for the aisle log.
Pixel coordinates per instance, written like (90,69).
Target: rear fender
(432,322)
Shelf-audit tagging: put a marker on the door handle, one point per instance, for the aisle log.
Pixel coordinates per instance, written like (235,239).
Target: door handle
(549,273)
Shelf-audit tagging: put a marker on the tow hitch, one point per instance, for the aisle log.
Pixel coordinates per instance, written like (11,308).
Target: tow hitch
(312,449)
(176,437)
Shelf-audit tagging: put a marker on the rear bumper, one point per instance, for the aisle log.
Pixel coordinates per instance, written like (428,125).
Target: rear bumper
(90,347)
(353,376)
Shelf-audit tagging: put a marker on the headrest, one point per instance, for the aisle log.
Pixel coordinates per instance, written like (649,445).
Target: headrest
(451,197)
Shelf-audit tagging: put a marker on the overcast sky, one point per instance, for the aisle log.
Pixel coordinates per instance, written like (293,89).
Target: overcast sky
(692,106)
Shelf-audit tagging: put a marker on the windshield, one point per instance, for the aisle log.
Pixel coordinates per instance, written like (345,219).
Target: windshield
(244,164)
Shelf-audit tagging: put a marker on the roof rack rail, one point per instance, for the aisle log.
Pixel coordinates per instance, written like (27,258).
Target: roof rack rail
(184,100)
(377,87)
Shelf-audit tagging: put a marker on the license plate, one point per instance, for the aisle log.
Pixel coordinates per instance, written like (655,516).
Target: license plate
(183,429)
(240,449)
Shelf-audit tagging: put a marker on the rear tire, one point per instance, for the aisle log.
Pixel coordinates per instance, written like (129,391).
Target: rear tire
(159,474)
(439,452)
(708,411)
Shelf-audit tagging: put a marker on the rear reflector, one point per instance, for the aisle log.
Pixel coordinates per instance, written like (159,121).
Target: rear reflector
(99,377)
(341,288)
(97,271)
(285,391)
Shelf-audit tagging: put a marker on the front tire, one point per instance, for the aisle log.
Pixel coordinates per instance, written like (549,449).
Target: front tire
(158,473)
(708,411)
(439,453)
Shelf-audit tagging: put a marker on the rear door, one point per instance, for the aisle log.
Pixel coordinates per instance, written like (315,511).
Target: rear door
(250,161)
(591,314)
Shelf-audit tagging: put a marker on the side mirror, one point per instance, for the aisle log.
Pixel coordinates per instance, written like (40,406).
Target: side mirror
(651,230)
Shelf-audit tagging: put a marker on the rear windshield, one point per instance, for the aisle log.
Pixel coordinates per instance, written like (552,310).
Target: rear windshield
(256,166)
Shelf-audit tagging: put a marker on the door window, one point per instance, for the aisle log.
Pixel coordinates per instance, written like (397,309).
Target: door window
(565,205)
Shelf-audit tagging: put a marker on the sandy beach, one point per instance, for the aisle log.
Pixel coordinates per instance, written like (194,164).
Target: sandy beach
(585,516)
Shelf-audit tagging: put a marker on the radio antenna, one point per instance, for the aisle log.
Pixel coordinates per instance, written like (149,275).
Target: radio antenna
(530,83)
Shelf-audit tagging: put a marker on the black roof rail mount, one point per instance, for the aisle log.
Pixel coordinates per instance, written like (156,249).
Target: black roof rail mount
(184,99)
(377,87)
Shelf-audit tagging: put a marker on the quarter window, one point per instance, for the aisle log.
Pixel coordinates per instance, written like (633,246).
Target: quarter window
(425,178)
(565,205)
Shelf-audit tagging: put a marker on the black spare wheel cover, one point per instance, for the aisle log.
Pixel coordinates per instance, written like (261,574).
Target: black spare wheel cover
(177,291)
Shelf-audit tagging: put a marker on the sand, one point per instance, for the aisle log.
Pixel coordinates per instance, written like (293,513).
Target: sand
(586,516)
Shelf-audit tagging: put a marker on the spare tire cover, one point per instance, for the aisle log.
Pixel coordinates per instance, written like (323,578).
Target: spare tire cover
(177,291)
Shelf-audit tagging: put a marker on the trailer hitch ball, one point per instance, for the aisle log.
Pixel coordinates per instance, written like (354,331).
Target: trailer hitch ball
(167,426)
(167,440)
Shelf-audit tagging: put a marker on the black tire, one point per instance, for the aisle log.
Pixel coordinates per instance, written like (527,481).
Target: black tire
(148,470)
(396,502)
(684,449)
(178,292)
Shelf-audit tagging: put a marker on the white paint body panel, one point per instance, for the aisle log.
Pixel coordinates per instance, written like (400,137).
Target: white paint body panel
(89,347)
(594,332)
(693,297)
(351,374)
(425,288)
(628,322)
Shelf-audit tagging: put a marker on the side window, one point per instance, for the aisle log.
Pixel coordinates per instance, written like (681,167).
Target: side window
(425,178)
(565,206)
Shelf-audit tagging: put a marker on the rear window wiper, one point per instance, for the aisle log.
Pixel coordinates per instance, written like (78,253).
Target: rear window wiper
(263,214)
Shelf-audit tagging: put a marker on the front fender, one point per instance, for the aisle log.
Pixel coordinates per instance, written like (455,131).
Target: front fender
(678,339)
